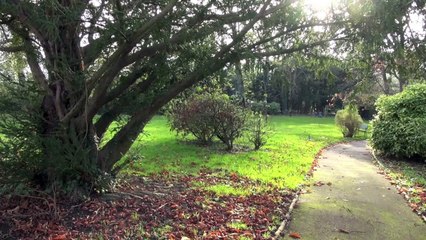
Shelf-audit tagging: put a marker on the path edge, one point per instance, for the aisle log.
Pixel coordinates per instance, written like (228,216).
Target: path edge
(287,217)
(397,186)
(284,224)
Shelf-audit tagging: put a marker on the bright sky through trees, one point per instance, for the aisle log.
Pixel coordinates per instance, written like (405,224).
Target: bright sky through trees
(319,7)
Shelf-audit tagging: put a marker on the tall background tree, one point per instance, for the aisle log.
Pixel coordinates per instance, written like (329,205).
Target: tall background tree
(389,42)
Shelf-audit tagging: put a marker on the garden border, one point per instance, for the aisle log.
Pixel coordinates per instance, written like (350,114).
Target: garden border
(397,186)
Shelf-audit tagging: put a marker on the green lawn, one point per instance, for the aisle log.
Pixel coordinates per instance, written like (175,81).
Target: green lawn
(283,162)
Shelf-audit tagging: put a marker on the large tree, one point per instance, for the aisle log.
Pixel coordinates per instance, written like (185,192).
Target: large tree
(390,40)
(94,61)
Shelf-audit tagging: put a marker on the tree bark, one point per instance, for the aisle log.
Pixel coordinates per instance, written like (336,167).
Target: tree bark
(101,126)
(386,83)
(239,83)
(71,144)
(117,147)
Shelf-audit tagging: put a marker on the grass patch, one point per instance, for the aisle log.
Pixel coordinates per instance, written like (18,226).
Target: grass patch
(283,162)
(238,225)
(408,172)
(226,190)
(416,174)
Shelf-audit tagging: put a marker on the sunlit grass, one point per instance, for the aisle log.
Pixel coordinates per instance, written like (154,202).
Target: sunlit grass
(227,190)
(238,225)
(283,162)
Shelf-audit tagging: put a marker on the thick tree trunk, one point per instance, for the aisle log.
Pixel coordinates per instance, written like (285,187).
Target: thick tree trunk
(386,83)
(265,82)
(239,83)
(70,147)
(402,78)
(402,71)
(101,126)
(115,149)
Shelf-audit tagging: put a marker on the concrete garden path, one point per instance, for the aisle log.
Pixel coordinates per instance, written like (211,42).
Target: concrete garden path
(350,200)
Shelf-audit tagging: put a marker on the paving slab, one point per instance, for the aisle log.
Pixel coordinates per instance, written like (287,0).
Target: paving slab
(350,200)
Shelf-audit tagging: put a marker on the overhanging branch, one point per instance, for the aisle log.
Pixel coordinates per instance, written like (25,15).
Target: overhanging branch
(12,49)
(188,34)
(292,29)
(124,138)
(114,62)
(38,75)
(290,50)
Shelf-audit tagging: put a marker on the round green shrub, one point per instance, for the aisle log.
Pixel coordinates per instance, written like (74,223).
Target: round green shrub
(348,120)
(259,107)
(399,128)
(274,108)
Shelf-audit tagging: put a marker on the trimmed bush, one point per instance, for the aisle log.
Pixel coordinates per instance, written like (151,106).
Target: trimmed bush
(348,120)
(399,128)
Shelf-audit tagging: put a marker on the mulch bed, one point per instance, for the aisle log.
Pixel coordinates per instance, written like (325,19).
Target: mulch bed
(158,207)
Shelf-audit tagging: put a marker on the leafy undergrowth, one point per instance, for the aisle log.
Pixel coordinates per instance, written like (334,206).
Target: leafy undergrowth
(159,207)
(409,176)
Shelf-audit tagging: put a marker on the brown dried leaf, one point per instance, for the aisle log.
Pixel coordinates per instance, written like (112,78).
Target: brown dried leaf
(295,235)
(60,237)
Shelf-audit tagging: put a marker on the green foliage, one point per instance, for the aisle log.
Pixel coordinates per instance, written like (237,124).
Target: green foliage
(238,225)
(209,115)
(348,120)
(20,143)
(30,158)
(259,107)
(400,126)
(304,84)
(67,167)
(274,108)
(257,130)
